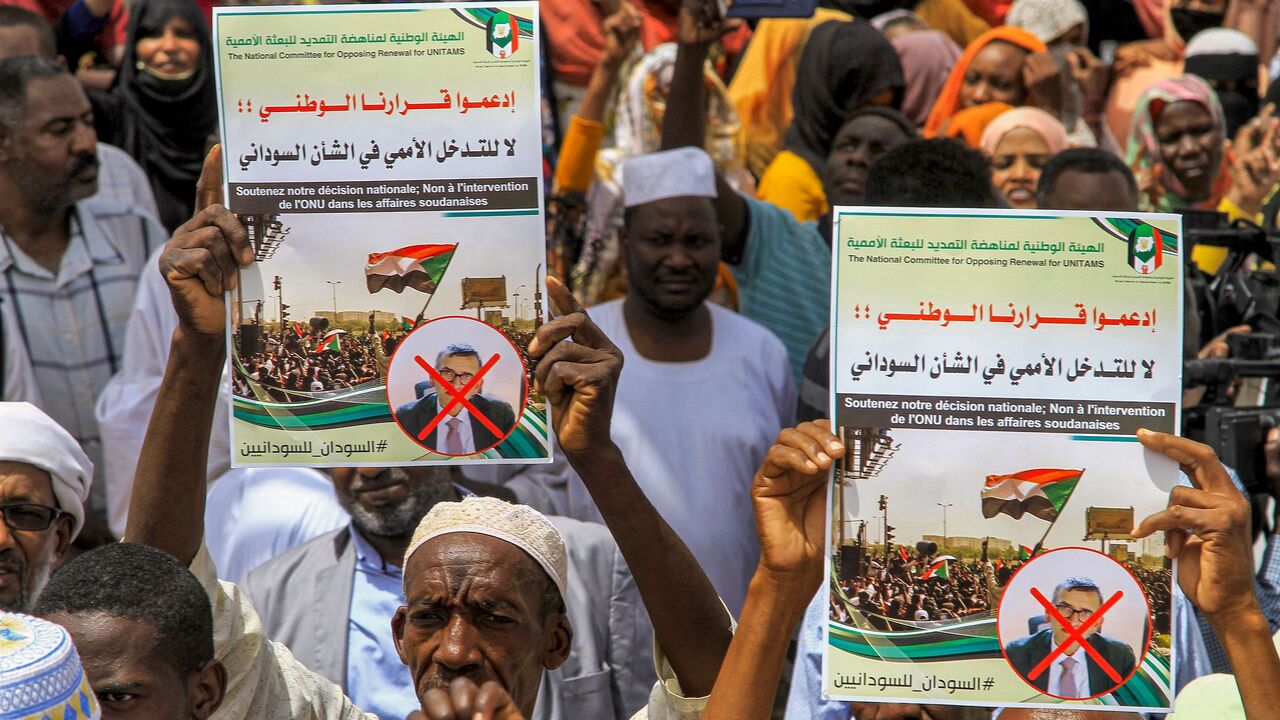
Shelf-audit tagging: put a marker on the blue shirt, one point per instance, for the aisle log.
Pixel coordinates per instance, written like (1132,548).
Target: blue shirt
(377,681)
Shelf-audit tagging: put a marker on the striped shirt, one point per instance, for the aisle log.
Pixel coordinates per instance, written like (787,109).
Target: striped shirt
(784,279)
(72,323)
(122,181)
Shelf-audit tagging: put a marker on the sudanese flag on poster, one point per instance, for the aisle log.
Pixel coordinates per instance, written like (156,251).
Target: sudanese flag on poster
(1041,493)
(331,342)
(419,267)
(938,570)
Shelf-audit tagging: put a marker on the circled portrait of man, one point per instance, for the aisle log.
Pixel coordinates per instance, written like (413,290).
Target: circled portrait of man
(1073,673)
(462,430)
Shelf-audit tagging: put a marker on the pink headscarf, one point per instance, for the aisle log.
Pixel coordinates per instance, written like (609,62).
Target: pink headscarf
(927,57)
(1035,120)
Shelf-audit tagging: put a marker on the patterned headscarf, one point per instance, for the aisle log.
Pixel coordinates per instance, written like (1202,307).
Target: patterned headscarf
(1144,147)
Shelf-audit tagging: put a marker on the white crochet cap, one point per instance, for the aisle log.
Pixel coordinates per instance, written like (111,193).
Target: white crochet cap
(29,436)
(519,525)
(683,172)
(41,677)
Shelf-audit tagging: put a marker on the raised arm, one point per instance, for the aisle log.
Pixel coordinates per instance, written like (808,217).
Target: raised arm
(199,263)
(789,495)
(1207,530)
(586,128)
(685,122)
(578,369)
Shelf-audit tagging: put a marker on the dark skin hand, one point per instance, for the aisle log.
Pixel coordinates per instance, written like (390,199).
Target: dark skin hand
(465,701)
(790,500)
(199,264)
(685,122)
(577,369)
(1207,530)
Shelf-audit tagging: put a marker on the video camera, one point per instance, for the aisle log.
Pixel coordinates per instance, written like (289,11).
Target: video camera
(1240,402)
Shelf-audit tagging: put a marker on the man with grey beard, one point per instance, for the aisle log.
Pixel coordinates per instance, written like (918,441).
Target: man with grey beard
(330,601)
(44,481)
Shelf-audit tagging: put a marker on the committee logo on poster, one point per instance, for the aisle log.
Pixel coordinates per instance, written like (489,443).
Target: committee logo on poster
(502,35)
(1146,245)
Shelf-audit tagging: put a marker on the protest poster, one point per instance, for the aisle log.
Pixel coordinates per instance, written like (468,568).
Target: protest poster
(387,163)
(989,370)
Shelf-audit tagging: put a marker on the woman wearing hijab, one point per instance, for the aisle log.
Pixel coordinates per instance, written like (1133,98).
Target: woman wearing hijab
(969,124)
(927,58)
(1063,25)
(1177,146)
(1019,143)
(1181,159)
(762,83)
(1139,64)
(1007,65)
(162,108)
(845,66)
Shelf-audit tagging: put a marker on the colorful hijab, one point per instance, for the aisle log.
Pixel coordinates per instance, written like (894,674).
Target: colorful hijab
(844,65)
(1144,147)
(969,124)
(948,103)
(1033,119)
(927,58)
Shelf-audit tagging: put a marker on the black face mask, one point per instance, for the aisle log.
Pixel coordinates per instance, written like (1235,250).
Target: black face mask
(1238,108)
(1188,23)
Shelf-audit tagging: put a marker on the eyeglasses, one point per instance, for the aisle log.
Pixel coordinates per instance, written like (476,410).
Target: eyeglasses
(1069,612)
(452,376)
(29,517)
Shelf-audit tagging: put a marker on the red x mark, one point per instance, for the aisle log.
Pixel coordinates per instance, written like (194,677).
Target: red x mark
(458,397)
(1076,634)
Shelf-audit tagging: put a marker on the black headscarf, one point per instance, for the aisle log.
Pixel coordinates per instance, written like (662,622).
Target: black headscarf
(166,133)
(843,66)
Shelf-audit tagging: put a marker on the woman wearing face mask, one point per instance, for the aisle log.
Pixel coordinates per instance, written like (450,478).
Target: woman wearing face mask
(162,109)
(1019,143)
(1228,61)
(1007,65)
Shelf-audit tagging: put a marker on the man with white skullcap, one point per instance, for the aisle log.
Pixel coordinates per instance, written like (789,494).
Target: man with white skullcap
(723,376)
(504,566)
(40,673)
(44,482)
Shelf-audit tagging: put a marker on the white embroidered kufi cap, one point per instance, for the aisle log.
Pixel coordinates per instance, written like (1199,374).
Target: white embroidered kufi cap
(519,525)
(40,673)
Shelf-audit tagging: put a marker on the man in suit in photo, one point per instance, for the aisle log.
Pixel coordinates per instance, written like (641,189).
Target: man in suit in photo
(1073,673)
(461,432)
